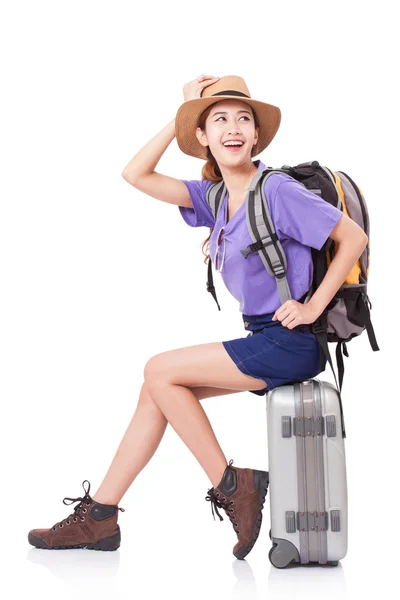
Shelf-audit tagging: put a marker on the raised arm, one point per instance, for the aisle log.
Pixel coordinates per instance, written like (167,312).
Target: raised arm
(140,173)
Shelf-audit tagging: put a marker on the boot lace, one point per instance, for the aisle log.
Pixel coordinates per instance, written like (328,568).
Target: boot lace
(79,508)
(218,499)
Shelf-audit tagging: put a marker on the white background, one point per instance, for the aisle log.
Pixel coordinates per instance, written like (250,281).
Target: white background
(96,277)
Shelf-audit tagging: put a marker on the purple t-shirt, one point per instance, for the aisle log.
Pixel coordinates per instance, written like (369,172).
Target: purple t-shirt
(301,219)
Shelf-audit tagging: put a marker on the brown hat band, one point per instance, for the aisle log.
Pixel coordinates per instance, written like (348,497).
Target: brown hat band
(230,93)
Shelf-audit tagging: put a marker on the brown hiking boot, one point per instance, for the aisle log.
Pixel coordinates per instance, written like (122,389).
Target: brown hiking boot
(92,525)
(241,493)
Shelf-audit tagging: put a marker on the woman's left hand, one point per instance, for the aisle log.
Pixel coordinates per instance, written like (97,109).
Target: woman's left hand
(293,313)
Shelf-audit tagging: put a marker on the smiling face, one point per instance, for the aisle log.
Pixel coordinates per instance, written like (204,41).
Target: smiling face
(228,120)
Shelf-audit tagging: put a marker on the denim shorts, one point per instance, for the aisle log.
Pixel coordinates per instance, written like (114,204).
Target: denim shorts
(275,354)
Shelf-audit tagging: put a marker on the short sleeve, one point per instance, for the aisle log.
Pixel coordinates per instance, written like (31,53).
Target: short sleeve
(303,215)
(201,214)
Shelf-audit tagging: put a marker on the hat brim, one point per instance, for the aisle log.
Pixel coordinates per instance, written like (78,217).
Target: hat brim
(188,114)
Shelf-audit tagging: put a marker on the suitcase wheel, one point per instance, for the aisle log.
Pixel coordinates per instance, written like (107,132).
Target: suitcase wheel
(272,561)
(330,563)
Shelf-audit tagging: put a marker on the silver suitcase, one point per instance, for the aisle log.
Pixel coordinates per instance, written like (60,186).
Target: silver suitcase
(307,474)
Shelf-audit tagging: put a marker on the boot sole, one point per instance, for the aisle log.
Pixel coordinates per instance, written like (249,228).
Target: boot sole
(261,482)
(107,544)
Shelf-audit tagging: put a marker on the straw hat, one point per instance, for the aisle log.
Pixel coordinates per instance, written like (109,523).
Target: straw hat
(230,86)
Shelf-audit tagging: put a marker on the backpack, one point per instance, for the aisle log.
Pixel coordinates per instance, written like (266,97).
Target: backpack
(348,313)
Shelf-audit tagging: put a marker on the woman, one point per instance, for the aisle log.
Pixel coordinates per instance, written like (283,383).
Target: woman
(283,349)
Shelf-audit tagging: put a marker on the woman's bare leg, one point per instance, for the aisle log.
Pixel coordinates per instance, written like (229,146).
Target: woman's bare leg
(172,377)
(139,443)
(169,396)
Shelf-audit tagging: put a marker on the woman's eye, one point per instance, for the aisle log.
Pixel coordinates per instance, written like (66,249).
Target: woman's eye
(242,117)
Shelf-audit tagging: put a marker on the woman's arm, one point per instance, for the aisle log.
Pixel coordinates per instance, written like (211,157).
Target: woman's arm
(351,240)
(145,161)
(140,173)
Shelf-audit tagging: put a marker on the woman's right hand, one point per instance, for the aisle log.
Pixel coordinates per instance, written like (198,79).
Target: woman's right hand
(193,89)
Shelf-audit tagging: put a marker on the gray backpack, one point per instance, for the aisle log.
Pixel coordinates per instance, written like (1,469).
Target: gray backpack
(348,313)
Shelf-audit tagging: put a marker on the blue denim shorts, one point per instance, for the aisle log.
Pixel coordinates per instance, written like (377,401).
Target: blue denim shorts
(275,354)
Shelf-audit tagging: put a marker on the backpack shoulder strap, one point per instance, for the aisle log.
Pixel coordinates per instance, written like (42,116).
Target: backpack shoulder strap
(215,195)
(262,232)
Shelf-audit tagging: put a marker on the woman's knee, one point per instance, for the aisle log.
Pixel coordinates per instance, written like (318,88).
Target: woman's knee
(161,369)
(154,370)
(145,397)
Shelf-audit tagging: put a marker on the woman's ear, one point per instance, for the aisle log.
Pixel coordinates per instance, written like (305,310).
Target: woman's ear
(201,136)
(256,135)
